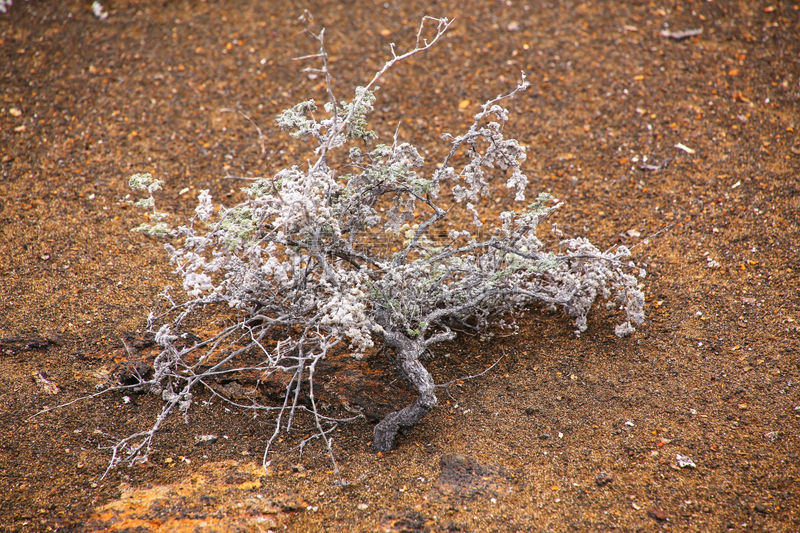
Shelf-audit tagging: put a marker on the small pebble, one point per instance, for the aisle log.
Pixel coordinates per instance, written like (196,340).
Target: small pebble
(760,508)
(603,478)
(205,440)
(658,514)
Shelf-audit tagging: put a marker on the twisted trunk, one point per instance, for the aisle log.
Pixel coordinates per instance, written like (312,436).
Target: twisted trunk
(407,352)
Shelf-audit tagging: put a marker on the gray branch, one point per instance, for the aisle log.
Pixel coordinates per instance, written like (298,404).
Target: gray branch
(408,353)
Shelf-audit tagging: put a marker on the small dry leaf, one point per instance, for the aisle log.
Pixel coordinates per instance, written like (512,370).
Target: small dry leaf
(685,461)
(50,387)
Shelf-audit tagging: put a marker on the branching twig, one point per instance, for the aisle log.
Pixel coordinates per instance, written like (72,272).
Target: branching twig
(250,120)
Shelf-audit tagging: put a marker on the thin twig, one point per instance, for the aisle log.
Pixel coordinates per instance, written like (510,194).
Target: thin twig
(646,240)
(446,386)
(260,133)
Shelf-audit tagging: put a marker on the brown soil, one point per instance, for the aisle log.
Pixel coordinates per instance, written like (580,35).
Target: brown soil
(712,375)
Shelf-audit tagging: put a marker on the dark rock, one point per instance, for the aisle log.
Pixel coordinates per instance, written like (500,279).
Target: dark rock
(463,477)
(14,345)
(131,373)
(603,478)
(187,339)
(407,522)
(135,342)
(458,469)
